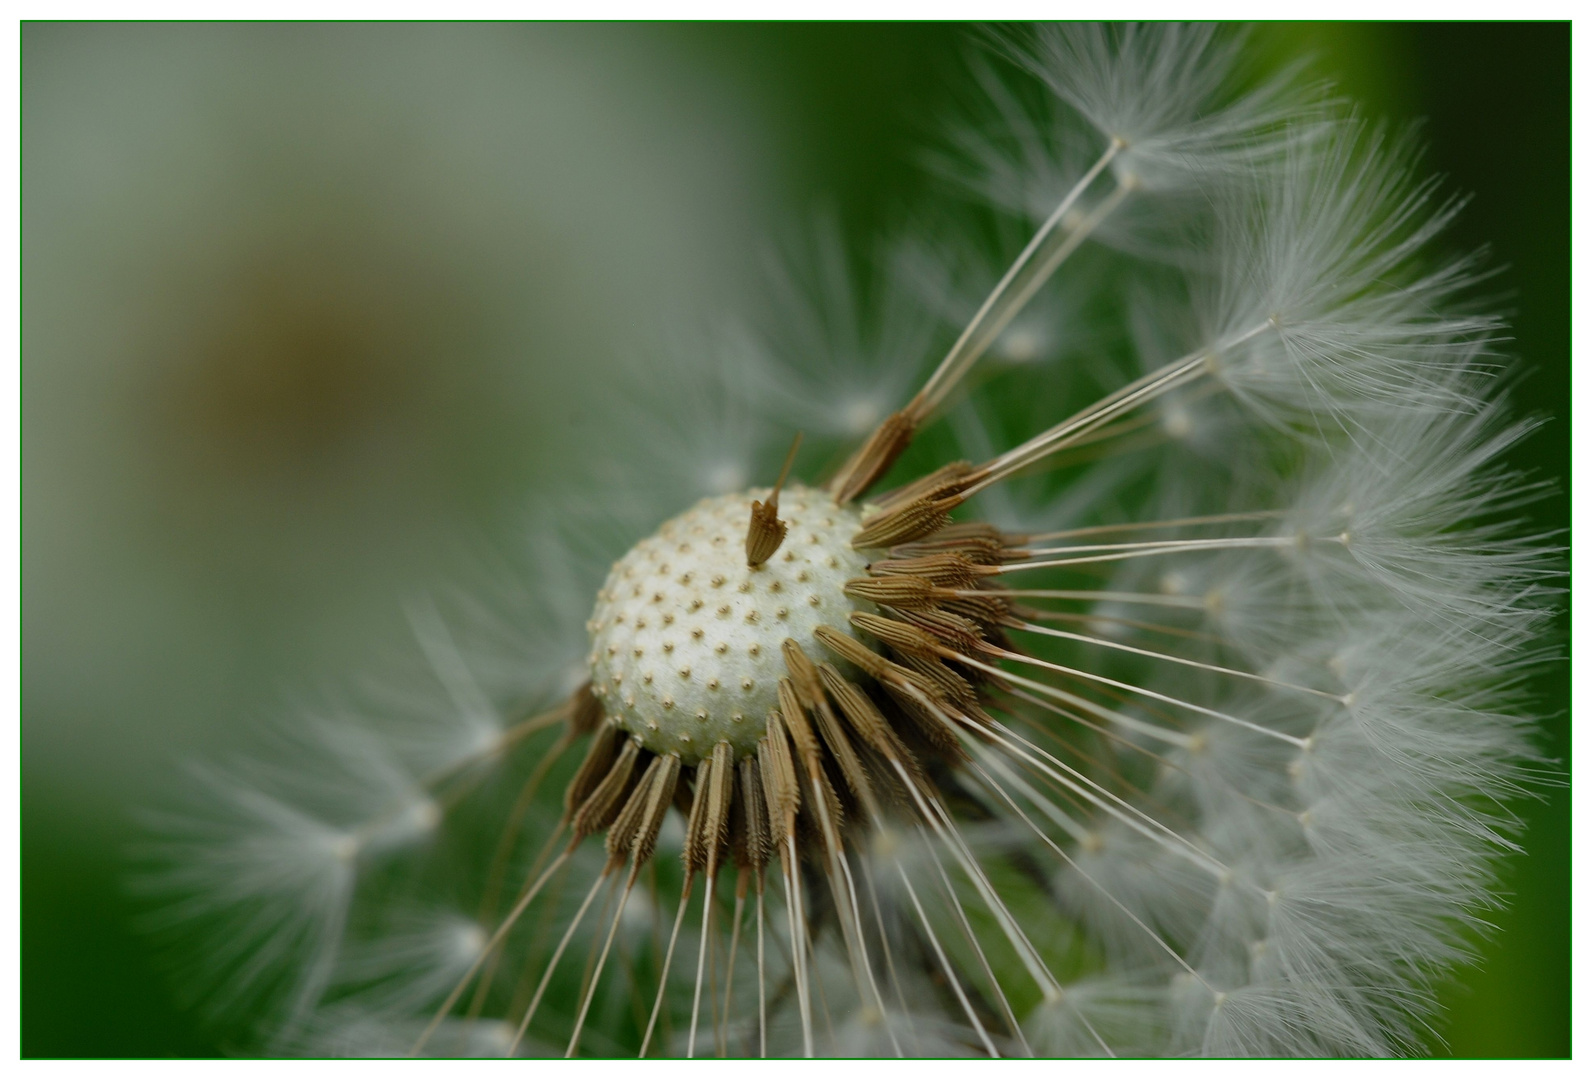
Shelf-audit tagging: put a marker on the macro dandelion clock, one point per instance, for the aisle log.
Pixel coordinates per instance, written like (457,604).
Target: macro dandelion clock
(1093,622)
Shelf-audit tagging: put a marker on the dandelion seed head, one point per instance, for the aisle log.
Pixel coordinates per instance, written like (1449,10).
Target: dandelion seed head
(659,679)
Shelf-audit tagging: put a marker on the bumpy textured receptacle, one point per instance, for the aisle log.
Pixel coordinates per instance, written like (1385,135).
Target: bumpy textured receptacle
(686,637)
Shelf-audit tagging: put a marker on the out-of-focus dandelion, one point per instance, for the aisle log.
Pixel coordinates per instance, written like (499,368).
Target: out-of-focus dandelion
(1200,748)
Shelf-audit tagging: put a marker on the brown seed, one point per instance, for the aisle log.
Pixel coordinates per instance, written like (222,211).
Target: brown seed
(828,831)
(780,793)
(585,711)
(864,716)
(809,689)
(978,552)
(634,832)
(803,674)
(844,755)
(657,808)
(951,477)
(766,532)
(622,833)
(970,530)
(690,853)
(960,634)
(930,714)
(853,651)
(909,521)
(599,759)
(605,800)
(900,636)
(973,535)
(874,457)
(949,683)
(795,716)
(987,611)
(749,818)
(921,697)
(710,811)
(901,592)
(945,569)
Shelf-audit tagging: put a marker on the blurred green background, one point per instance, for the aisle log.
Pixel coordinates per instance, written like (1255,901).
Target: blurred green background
(308,310)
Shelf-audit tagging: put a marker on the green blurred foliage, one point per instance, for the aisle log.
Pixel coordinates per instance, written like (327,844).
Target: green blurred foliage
(845,112)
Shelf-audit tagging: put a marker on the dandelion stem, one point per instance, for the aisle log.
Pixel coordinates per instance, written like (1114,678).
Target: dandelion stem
(591,990)
(1101,798)
(729,971)
(798,938)
(1146,526)
(511,830)
(1002,304)
(552,964)
(1199,544)
(944,827)
(945,965)
(983,960)
(487,950)
(1136,393)
(1045,806)
(1172,738)
(875,456)
(1144,389)
(1194,603)
(505,739)
(762,986)
(1061,669)
(668,960)
(1118,552)
(1169,658)
(702,959)
(1011,306)
(884,945)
